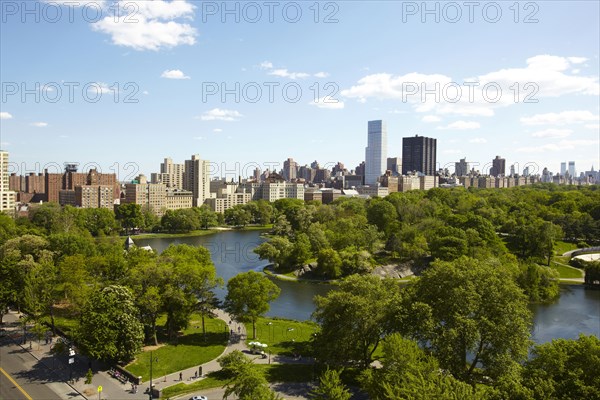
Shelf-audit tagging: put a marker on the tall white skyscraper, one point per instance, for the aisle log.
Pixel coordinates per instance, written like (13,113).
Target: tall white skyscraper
(572,169)
(7,197)
(563,168)
(376,151)
(196,179)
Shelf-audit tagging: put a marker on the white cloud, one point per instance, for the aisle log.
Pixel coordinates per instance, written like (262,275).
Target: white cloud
(431,118)
(562,118)
(577,60)
(217,114)
(145,92)
(152,24)
(217,130)
(199,137)
(39,124)
(96,89)
(284,73)
(592,126)
(461,125)
(544,75)
(560,146)
(478,140)
(174,74)
(328,103)
(5,115)
(552,133)
(451,151)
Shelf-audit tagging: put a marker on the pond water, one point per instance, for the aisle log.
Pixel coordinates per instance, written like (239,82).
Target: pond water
(577,310)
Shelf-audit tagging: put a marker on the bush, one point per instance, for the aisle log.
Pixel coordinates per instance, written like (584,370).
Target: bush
(582,245)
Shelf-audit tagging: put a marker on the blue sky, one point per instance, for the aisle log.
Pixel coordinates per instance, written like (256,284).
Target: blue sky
(373,58)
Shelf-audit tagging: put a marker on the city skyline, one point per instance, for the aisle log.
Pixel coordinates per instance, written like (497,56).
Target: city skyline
(195,85)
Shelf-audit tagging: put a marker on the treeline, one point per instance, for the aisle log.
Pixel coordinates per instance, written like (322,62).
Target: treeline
(460,331)
(352,235)
(115,296)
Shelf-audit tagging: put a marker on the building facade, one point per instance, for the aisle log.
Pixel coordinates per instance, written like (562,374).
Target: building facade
(498,167)
(376,151)
(419,154)
(7,196)
(196,179)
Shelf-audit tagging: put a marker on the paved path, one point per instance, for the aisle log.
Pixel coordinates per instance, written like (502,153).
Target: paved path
(60,370)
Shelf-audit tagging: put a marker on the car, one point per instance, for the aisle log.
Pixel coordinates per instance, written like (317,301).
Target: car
(198,398)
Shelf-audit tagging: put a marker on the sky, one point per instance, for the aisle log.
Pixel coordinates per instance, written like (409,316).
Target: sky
(120,85)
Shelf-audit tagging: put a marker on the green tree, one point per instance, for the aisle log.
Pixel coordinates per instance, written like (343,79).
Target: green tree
(354,319)
(248,383)
(329,263)
(301,251)
(565,369)
(408,372)
(193,274)
(264,212)
(381,213)
(206,217)
(278,251)
(237,216)
(471,307)
(249,295)
(98,221)
(330,387)
(539,283)
(109,329)
(130,215)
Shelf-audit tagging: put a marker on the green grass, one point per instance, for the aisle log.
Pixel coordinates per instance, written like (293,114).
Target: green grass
(202,232)
(561,247)
(66,324)
(273,373)
(285,337)
(567,272)
(212,380)
(190,349)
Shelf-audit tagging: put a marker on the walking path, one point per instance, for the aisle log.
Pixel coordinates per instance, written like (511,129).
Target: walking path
(111,387)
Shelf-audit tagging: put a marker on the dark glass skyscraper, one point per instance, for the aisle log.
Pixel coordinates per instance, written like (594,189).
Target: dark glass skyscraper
(419,154)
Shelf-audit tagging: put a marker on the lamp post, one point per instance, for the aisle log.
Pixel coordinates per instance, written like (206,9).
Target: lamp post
(151,360)
(270,324)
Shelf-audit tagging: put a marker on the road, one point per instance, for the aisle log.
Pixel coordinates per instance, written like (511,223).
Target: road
(24,377)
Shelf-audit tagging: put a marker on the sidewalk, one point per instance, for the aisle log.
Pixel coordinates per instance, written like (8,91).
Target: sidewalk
(111,387)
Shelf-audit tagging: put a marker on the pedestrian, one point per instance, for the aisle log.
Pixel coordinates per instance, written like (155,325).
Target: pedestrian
(195,374)
(239,330)
(180,376)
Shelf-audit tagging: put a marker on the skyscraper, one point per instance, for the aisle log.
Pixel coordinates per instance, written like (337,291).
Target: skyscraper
(572,169)
(394,164)
(7,197)
(172,174)
(375,152)
(498,166)
(563,168)
(461,168)
(419,154)
(196,179)
(290,169)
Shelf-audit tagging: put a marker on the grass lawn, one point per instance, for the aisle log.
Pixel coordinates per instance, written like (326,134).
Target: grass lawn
(285,337)
(273,373)
(561,247)
(202,232)
(212,380)
(66,324)
(567,272)
(190,349)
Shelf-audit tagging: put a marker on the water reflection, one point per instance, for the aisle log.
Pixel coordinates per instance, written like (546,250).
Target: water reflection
(577,310)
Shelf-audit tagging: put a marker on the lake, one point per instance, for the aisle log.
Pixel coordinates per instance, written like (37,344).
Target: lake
(577,310)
